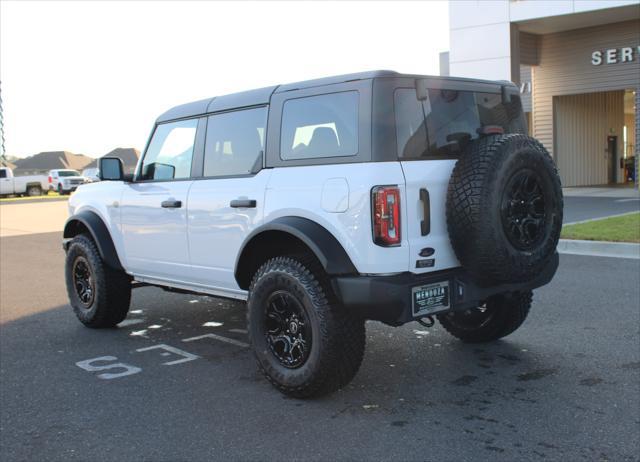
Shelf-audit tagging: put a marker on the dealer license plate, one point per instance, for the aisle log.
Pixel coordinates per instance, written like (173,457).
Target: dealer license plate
(430,299)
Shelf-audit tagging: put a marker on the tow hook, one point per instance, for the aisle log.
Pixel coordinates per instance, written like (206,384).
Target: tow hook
(427,321)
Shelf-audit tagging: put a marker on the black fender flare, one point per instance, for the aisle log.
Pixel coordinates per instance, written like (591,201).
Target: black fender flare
(99,233)
(317,238)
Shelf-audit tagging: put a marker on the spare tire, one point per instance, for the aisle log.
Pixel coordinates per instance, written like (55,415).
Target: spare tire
(504,209)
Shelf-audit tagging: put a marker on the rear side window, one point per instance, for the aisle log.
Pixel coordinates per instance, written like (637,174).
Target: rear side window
(320,126)
(234,142)
(442,125)
(170,151)
(3,173)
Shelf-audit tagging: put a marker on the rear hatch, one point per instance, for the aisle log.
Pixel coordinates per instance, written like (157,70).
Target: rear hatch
(433,128)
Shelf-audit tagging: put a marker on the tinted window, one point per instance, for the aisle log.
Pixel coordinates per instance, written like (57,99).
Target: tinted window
(3,173)
(443,124)
(170,151)
(320,126)
(68,173)
(234,142)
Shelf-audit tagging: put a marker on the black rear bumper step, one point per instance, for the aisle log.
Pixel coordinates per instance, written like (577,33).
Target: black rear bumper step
(388,298)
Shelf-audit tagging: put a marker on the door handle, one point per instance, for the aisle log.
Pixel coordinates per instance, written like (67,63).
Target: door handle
(171,204)
(243,203)
(425,225)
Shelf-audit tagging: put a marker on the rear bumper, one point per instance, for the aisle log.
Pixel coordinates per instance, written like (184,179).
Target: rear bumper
(388,298)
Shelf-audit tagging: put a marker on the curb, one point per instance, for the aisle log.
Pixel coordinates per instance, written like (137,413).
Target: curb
(599,248)
(601,218)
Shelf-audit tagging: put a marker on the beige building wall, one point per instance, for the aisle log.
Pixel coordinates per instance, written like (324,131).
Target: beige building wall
(565,68)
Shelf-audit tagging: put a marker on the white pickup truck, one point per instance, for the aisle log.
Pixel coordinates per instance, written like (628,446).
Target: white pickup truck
(32,185)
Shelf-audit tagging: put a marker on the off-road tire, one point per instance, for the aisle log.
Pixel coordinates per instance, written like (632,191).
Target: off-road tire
(476,202)
(112,294)
(504,314)
(338,337)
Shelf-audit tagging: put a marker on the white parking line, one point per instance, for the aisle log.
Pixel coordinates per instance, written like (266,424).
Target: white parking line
(130,322)
(239,331)
(218,337)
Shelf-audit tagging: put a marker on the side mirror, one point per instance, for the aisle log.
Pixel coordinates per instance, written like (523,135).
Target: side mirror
(111,169)
(160,171)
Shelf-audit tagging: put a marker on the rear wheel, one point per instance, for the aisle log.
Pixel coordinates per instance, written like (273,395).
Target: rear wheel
(305,343)
(34,191)
(99,295)
(498,317)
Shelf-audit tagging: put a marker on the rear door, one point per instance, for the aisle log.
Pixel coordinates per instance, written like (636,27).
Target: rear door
(432,132)
(226,202)
(154,207)
(426,180)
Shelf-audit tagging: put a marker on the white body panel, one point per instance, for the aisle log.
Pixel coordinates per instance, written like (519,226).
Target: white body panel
(309,191)
(432,175)
(155,238)
(18,184)
(196,246)
(217,231)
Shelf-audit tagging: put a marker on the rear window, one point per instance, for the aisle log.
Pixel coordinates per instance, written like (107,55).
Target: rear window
(442,125)
(320,126)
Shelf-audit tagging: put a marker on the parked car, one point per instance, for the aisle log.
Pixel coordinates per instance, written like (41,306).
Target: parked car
(377,196)
(32,185)
(65,181)
(91,174)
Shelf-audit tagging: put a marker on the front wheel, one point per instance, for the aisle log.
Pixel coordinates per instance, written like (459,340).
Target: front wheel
(99,295)
(305,343)
(500,316)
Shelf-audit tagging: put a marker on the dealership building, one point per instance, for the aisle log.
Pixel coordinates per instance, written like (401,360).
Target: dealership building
(577,63)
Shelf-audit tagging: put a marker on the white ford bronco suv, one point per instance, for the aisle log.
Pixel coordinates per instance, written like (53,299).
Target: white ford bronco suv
(325,203)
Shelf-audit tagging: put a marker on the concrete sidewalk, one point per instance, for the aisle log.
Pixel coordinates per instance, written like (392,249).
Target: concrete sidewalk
(32,218)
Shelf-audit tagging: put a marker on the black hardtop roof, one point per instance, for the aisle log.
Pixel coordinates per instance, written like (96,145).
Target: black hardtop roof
(263,95)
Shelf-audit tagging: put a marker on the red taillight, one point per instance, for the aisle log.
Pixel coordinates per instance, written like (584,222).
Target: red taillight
(50,179)
(385,201)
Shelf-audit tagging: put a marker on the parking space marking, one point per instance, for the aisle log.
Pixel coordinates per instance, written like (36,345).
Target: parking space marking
(218,337)
(88,366)
(130,322)
(239,331)
(186,355)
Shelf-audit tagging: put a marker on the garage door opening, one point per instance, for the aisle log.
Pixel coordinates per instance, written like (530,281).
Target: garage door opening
(594,138)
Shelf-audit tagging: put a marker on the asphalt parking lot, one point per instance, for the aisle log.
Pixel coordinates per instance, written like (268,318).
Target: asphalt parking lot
(565,386)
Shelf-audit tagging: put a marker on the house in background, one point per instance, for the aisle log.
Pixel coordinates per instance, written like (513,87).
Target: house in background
(41,163)
(129,158)
(5,163)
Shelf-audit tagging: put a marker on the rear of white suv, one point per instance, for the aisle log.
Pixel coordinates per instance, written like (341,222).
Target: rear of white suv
(324,203)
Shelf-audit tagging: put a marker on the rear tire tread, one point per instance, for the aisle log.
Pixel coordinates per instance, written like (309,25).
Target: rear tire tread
(343,334)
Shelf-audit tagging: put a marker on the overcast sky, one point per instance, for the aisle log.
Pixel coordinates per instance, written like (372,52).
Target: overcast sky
(88,77)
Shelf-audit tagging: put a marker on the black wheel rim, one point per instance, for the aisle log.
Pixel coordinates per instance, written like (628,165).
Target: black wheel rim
(287,329)
(83,281)
(524,210)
